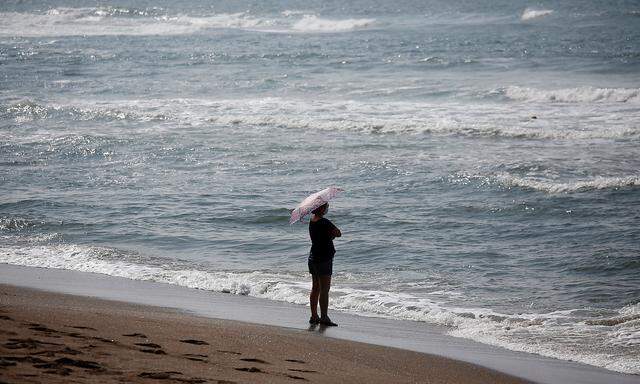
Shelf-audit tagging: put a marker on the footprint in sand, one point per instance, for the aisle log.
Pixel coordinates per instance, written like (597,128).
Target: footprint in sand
(26,344)
(61,366)
(70,351)
(195,342)
(75,335)
(159,375)
(254,360)
(250,369)
(170,376)
(302,370)
(154,351)
(151,348)
(229,352)
(196,357)
(7,363)
(141,335)
(60,371)
(149,345)
(110,341)
(42,328)
(81,327)
(65,351)
(23,359)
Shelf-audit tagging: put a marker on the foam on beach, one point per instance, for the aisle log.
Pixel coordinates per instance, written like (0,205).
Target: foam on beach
(498,145)
(539,333)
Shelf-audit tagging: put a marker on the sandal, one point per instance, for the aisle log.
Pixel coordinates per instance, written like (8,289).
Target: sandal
(314,320)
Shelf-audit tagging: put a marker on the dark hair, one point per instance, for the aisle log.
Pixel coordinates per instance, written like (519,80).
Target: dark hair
(320,209)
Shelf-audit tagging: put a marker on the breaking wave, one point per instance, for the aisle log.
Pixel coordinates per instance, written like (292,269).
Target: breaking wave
(29,110)
(348,115)
(575,95)
(103,21)
(18,223)
(531,13)
(541,333)
(311,23)
(508,180)
(596,183)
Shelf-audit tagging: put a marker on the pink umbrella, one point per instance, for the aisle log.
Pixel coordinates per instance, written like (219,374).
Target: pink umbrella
(312,202)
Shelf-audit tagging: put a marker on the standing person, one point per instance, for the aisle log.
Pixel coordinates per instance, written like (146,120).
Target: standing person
(322,232)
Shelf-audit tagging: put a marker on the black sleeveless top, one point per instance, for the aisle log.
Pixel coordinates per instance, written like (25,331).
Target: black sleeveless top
(321,242)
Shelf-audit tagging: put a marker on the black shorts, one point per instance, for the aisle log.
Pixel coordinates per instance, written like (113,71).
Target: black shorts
(322,268)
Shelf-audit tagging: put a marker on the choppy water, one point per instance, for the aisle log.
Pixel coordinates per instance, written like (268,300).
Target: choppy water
(168,142)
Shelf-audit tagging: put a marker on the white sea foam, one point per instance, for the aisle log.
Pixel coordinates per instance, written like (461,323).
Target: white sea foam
(123,21)
(292,12)
(598,182)
(548,185)
(630,310)
(348,115)
(311,23)
(109,262)
(101,21)
(575,95)
(27,110)
(18,223)
(542,333)
(565,341)
(401,117)
(531,13)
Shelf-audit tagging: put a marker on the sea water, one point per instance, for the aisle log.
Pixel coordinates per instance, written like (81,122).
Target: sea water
(489,153)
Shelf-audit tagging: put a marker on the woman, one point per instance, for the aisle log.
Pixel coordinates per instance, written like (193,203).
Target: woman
(322,232)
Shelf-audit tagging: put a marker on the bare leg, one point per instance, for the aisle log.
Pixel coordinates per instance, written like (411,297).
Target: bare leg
(325,285)
(313,296)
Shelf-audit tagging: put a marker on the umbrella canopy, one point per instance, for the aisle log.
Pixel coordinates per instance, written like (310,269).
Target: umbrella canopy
(312,202)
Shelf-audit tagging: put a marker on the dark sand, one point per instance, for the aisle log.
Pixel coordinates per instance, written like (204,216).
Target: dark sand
(55,338)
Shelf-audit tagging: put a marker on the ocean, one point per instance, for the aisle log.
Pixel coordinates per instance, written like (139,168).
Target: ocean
(489,152)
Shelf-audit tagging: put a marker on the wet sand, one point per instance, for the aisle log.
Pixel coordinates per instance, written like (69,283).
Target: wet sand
(56,338)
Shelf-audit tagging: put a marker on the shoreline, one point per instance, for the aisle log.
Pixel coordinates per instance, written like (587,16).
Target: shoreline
(55,338)
(408,336)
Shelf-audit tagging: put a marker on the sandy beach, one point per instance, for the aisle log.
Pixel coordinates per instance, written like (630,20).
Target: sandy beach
(487,155)
(57,338)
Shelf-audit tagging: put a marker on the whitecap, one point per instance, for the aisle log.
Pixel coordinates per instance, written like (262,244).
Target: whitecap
(551,186)
(531,13)
(106,21)
(347,115)
(311,23)
(574,95)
